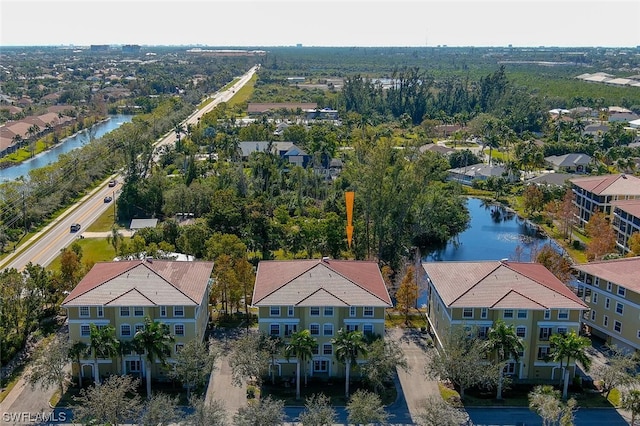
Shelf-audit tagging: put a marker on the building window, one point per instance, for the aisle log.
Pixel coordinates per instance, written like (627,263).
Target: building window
(314,329)
(163,311)
(483,313)
(274,329)
(593,315)
(545,333)
(617,326)
(619,308)
(124,311)
(320,366)
(594,298)
(596,282)
(125,330)
(352,327)
(85,330)
(508,313)
(467,313)
(607,303)
(328,311)
(290,311)
(609,286)
(563,314)
(522,314)
(315,350)
(510,368)
(327,329)
(327,349)
(84,311)
(314,311)
(179,347)
(133,366)
(562,330)
(605,321)
(352,311)
(274,311)
(547,314)
(178,329)
(178,311)
(521,332)
(367,311)
(100,311)
(622,291)
(482,332)
(289,329)
(138,311)
(367,329)
(543,352)
(138,327)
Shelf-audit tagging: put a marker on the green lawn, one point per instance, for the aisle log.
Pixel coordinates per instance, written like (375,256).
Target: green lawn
(93,250)
(103,223)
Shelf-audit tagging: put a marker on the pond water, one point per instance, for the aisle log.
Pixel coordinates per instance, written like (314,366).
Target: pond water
(494,233)
(66,145)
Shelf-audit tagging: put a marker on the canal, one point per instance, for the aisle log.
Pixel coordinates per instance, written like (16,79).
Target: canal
(66,145)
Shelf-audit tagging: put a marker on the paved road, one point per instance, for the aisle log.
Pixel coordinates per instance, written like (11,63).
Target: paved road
(487,416)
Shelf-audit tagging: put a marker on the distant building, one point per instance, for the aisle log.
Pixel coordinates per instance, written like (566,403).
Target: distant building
(480,171)
(99,48)
(625,220)
(596,193)
(569,163)
(143,223)
(131,48)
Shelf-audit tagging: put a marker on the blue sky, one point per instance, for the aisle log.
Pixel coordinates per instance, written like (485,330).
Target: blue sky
(614,23)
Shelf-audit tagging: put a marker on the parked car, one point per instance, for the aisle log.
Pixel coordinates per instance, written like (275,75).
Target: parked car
(107,199)
(75,227)
(112,183)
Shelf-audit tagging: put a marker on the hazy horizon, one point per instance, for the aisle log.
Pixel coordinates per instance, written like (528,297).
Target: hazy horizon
(328,23)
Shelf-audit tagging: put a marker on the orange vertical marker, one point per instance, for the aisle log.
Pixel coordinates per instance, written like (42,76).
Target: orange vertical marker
(349,198)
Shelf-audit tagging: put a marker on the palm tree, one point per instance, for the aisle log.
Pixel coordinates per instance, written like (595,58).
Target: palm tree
(76,351)
(505,344)
(155,339)
(348,346)
(301,346)
(103,343)
(569,346)
(631,402)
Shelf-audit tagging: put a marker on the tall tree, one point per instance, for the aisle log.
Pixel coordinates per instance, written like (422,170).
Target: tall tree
(407,294)
(160,410)
(460,360)
(49,365)
(206,413)
(193,364)
(248,359)
(567,347)
(267,412)
(631,402)
(103,344)
(555,262)
(348,346)
(366,407)
(618,371)
(384,358)
(113,402)
(603,237)
(300,346)
(437,412)
(78,350)
(155,339)
(318,411)
(505,344)
(545,401)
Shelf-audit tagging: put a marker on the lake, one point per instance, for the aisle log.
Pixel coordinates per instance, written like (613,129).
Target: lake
(494,233)
(66,145)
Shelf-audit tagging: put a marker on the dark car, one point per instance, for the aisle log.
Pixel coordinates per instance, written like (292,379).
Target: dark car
(75,227)
(107,199)
(112,183)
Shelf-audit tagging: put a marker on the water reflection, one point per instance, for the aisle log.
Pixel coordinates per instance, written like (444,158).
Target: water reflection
(495,233)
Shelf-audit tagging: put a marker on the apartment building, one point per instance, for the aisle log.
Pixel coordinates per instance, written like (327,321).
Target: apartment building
(122,294)
(611,289)
(525,295)
(597,193)
(322,296)
(625,220)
